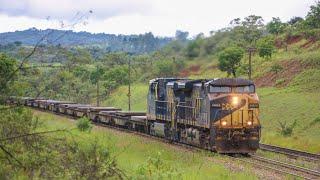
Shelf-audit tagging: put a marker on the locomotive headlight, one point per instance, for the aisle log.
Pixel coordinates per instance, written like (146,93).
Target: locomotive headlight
(224,123)
(249,123)
(235,100)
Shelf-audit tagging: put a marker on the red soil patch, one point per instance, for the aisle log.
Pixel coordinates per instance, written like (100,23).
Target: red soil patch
(309,43)
(213,67)
(194,69)
(293,39)
(290,70)
(278,43)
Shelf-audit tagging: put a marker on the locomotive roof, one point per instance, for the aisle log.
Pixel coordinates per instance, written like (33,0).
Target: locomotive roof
(166,79)
(231,82)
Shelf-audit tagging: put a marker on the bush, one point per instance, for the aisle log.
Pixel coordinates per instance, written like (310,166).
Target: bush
(280,82)
(276,68)
(157,168)
(29,151)
(285,129)
(84,124)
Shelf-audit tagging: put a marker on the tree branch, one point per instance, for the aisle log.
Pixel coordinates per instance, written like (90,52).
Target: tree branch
(32,134)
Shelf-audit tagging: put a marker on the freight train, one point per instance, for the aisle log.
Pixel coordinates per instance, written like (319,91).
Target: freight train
(216,114)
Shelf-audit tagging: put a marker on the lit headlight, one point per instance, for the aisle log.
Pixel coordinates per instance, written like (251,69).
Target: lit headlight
(224,123)
(249,123)
(235,100)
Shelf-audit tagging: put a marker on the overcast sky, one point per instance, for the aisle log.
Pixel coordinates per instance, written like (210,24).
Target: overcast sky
(162,17)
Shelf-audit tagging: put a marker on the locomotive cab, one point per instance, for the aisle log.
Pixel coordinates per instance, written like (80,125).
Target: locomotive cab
(234,115)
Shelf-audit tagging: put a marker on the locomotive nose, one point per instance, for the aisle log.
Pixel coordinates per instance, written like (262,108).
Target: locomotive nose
(232,110)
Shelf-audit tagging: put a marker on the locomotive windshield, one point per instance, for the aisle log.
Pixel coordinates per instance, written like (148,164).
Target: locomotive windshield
(220,89)
(226,89)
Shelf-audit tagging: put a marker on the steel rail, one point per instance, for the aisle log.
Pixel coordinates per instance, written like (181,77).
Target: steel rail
(287,165)
(290,152)
(273,168)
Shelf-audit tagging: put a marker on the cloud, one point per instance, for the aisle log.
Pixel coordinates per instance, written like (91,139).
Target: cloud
(67,9)
(162,17)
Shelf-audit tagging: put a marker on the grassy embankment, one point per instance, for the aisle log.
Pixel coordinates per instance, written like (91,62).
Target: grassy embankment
(294,96)
(134,154)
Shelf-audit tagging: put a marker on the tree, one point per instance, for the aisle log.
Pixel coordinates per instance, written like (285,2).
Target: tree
(181,35)
(165,68)
(250,28)
(193,49)
(77,57)
(275,26)
(229,59)
(313,17)
(7,68)
(295,20)
(95,78)
(113,59)
(266,46)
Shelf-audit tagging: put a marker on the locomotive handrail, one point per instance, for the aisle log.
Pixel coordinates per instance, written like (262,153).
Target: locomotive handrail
(186,106)
(160,101)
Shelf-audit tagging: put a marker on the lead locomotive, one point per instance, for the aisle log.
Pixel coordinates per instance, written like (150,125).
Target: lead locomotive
(217,114)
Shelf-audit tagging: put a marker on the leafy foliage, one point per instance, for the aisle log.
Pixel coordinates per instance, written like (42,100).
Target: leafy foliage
(313,17)
(266,46)
(84,124)
(276,68)
(275,26)
(229,60)
(28,152)
(157,168)
(7,68)
(285,129)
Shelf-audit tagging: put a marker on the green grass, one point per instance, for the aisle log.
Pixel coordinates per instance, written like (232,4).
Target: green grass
(132,153)
(119,98)
(307,81)
(288,105)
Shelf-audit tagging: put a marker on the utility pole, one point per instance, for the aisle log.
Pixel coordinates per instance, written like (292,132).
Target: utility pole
(98,94)
(250,50)
(129,85)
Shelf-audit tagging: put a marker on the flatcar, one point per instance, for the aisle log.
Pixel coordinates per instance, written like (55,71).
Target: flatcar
(216,114)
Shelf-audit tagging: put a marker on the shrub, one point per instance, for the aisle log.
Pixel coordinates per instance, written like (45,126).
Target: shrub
(280,81)
(276,68)
(29,151)
(285,129)
(157,168)
(84,124)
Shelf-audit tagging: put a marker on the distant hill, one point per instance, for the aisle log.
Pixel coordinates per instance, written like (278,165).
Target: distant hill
(136,44)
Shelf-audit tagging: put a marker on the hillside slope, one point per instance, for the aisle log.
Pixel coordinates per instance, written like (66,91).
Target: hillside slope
(287,95)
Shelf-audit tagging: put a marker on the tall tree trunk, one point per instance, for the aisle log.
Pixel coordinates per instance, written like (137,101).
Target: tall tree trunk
(234,73)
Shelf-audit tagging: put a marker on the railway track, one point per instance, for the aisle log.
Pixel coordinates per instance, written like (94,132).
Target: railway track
(281,167)
(290,152)
(277,166)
